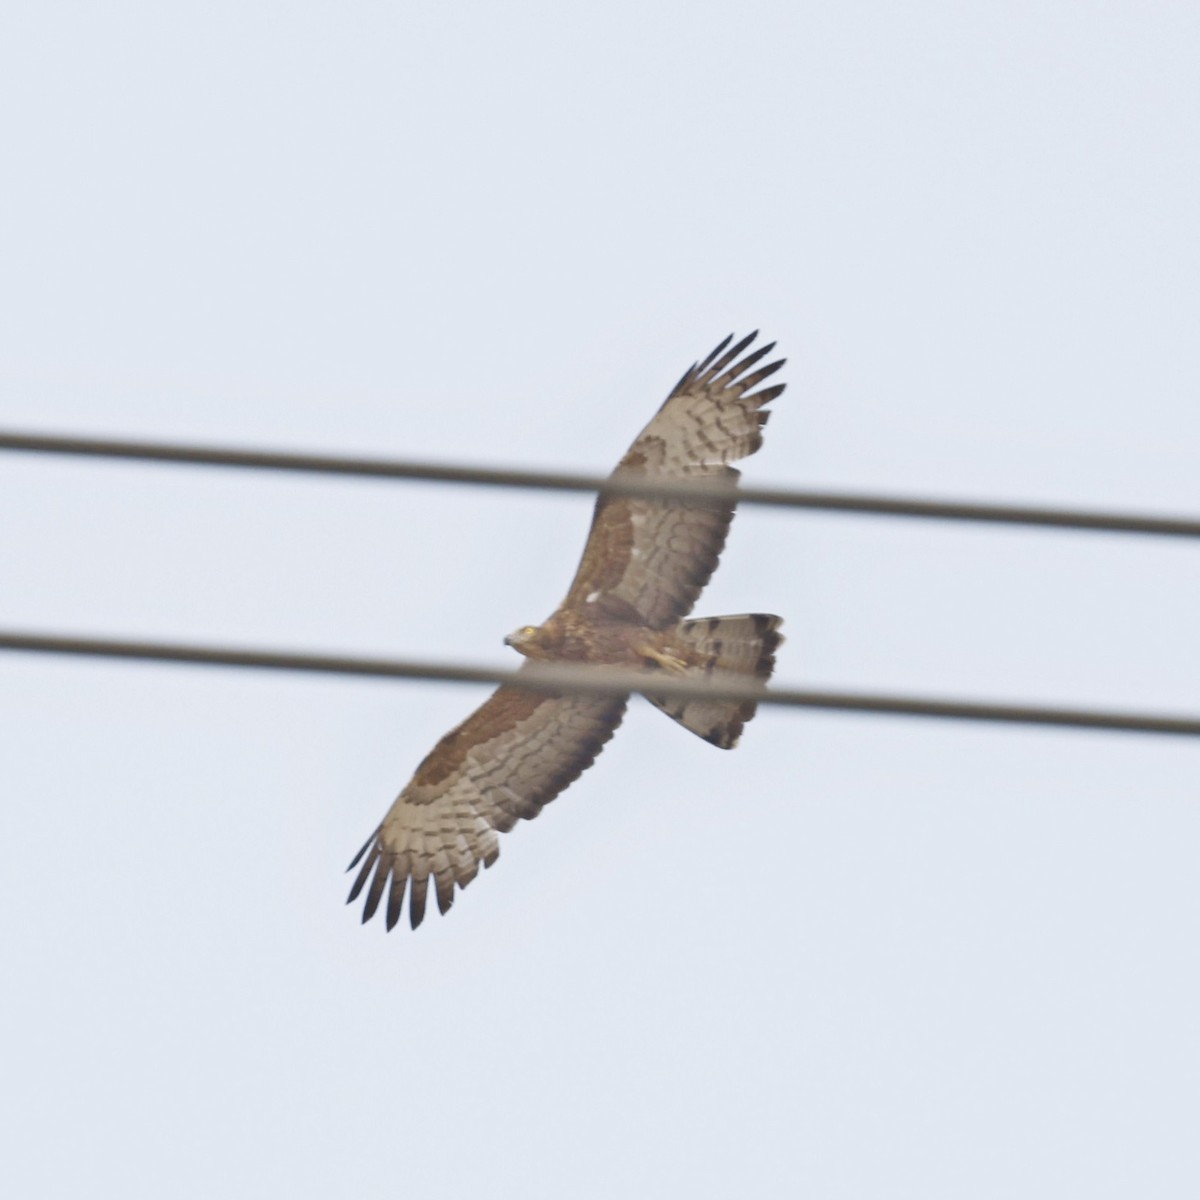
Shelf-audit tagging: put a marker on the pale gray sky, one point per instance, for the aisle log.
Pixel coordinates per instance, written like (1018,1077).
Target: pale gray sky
(854,958)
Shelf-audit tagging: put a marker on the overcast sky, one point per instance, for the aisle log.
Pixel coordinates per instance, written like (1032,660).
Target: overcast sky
(856,957)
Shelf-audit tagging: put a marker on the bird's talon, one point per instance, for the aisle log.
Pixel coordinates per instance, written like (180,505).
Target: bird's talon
(668,662)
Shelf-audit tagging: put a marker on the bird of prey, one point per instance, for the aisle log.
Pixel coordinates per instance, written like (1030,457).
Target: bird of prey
(644,564)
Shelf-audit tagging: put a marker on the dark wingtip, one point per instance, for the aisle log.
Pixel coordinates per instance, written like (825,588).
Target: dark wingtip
(417,888)
(744,344)
(703,366)
(770,393)
(364,873)
(365,847)
(724,737)
(684,380)
(718,361)
(395,900)
(375,892)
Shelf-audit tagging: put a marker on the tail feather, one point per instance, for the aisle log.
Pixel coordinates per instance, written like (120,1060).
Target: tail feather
(732,648)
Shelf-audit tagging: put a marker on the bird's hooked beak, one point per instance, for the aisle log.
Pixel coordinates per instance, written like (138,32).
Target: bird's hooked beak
(520,638)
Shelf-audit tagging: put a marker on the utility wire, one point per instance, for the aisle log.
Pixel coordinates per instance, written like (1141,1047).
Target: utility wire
(715,491)
(558,677)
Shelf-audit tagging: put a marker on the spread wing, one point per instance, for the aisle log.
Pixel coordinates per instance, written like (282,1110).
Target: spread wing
(513,755)
(656,556)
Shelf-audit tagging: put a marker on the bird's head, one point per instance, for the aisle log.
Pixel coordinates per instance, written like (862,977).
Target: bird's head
(524,639)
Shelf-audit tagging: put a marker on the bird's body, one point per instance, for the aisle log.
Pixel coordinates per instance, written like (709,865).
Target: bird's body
(594,635)
(643,567)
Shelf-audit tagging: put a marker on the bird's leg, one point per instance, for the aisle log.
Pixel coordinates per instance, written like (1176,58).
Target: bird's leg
(665,659)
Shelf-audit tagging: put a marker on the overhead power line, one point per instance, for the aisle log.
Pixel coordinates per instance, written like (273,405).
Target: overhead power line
(557,677)
(682,489)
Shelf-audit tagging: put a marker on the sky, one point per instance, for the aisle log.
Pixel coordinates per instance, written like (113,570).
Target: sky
(856,957)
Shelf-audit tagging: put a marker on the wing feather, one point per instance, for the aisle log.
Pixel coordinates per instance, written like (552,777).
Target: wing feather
(656,556)
(728,357)
(375,892)
(507,760)
(364,874)
(416,897)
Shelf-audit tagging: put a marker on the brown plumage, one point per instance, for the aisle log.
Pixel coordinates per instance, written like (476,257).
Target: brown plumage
(644,564)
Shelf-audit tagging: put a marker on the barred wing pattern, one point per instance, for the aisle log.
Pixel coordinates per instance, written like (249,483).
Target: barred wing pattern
(656,556)
(513,755)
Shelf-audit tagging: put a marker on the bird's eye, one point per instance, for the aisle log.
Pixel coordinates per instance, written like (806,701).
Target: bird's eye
(528,631)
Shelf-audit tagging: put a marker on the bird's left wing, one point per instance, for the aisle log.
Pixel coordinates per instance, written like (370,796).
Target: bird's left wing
(651,558)
(510,757)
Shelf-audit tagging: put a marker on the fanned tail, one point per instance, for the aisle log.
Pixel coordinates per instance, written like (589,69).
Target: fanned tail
(733,648)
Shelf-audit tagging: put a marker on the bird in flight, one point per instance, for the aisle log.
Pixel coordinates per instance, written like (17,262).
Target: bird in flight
(643,567)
